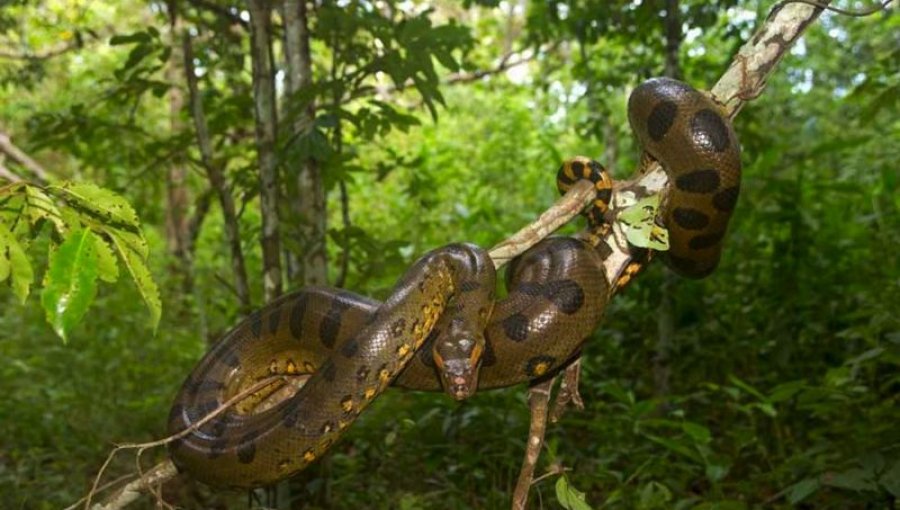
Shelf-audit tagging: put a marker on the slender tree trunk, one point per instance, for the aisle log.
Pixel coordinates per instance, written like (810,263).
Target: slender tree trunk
(264,108)
(216,177)
(177,196)
(309,205)
(673,39)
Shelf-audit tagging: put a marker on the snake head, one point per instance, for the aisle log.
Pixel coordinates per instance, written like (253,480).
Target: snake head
(458,359)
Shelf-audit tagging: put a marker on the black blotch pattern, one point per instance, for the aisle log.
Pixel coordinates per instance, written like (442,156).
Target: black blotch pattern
(298,310)
(726,199)
(350,348)
(274,320)
(469,286)
(690,219)
(533,363)
(175,414)
(516,327)
(698,181)
(567,295)
(488,358)
(709,130)
(329,371)
(661,119)
(202,409)
(246,451)
(231,360)
(577,168)
(331,323)
(256,324)
(705,241)
(605,195)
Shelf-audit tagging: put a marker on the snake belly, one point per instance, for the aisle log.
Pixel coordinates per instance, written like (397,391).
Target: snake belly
(557,292)
(697,146)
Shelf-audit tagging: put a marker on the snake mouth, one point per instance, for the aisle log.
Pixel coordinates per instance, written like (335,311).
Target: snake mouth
(460,378)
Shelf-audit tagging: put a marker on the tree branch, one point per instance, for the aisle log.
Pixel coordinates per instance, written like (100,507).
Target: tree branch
(20,157)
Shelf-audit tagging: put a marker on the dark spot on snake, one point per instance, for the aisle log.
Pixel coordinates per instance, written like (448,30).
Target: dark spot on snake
(398,326)
(246,451)
(709,130)
(425,353)
(274,320)
(690,219)
(705,241)
(298,310)
(661,119)
(329,371)
(362,373)
(577,168)
(560,244)
(231,360)
(469,286)
(726,199)
(596,168)
(698,181)
(198,412)
(328,329)
(605,195)
(176,413)
(567,295)
(256,324)
(350,348)
(539,365)
(516,327)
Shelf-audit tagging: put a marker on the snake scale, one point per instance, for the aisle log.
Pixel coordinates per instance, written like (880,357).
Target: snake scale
(441,327)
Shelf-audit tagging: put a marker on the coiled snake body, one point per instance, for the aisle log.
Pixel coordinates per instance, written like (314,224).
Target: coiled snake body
(440,326)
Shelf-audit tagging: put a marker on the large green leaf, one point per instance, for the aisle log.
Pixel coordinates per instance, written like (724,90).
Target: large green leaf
(141,275)
(71,282)
(22,273)
(569,497)
(105,205)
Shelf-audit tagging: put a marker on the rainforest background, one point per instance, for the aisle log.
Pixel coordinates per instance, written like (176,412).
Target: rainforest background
(333,142)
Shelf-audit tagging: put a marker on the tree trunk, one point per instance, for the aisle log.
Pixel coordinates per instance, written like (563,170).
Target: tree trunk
(177,195)
(309,205)
(216,177)
(264,109)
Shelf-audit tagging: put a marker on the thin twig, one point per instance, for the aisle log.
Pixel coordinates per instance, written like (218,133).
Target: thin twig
(538,400)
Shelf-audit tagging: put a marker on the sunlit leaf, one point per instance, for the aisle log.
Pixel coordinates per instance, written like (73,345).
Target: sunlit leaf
(107,206)
(140,274)
(20,266)
(42,207)
(641,229)
(71,282)
(569,497)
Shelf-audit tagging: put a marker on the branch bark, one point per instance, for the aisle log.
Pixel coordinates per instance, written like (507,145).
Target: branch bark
(265,115)
(19,156)
(216,177)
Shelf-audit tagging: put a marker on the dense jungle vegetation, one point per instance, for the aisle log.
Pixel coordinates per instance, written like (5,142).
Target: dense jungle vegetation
(773,383)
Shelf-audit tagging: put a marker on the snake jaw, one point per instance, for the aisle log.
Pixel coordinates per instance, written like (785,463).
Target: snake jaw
(460,378)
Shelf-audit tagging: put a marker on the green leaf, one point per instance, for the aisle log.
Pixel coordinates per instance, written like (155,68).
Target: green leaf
(698,432)
(41,207)
(104,205)
(640,226)
(106,262)
(569,497)
(801,490)
(134,261)
(675,447)
(890,480)
(22,273)
(5,265)
(71,282)
(855,479)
